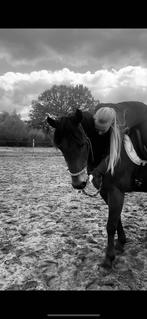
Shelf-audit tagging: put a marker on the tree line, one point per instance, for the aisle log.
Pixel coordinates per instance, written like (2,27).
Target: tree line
(15,132)
(58,101)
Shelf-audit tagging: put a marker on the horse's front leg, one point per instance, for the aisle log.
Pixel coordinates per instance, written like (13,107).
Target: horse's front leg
(115,204)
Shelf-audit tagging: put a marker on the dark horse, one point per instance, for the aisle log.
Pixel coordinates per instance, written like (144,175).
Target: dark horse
(83,149)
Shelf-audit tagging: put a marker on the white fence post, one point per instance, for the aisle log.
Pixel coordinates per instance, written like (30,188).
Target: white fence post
(33,145)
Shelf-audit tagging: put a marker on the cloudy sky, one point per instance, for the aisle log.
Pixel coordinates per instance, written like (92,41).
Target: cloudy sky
(112,63)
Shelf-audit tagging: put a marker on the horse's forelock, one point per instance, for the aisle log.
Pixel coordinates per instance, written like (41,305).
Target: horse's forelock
(69,129)
(65,129)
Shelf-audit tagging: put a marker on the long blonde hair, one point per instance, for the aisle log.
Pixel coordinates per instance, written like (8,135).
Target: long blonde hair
(108,116)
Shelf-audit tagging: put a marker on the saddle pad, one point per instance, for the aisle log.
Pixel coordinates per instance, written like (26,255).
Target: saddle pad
(131,151)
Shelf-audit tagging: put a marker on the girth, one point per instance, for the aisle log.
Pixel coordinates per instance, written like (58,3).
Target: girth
(142,147)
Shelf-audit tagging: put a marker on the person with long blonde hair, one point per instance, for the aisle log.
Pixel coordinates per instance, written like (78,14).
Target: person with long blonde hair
(117,120)
(105,120)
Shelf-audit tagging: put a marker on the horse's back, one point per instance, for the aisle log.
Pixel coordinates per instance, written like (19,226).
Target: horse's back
(130,113)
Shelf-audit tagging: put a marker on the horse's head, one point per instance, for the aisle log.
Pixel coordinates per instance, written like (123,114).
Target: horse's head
(71,139)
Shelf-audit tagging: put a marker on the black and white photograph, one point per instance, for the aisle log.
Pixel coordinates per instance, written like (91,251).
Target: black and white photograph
(73,160)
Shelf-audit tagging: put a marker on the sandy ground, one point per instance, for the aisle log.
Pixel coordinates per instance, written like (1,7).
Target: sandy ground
(53,237)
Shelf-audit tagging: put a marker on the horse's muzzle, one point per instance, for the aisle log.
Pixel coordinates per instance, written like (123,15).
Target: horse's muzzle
(79,180)
(81,185)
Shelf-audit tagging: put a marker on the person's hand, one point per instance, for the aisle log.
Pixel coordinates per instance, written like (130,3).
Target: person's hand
(95,179)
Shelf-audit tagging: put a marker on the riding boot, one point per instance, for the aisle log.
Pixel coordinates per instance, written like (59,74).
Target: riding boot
(99,172)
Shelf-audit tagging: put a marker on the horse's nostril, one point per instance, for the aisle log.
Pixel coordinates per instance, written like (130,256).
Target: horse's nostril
(83,184)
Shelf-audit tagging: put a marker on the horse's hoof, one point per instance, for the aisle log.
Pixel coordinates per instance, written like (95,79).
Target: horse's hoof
(119,247)
(107,263)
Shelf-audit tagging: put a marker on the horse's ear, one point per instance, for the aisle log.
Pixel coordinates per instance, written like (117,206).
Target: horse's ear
(51,120)
(78,116)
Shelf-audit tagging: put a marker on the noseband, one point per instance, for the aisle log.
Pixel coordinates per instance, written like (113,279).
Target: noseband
(78,173)
(88,142)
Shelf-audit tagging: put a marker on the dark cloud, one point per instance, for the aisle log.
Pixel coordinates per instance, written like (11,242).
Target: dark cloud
(78,49)
(73,52)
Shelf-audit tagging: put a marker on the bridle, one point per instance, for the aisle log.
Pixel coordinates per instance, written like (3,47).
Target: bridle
(90,149)
(78,173)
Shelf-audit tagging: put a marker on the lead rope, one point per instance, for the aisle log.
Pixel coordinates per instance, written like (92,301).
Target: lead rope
(90,195)
(95,194)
